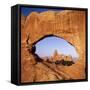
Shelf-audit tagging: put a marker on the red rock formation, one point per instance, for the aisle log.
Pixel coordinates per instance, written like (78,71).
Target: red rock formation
(67,24)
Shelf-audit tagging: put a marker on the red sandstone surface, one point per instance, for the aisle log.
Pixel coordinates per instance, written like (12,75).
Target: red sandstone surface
(68,24)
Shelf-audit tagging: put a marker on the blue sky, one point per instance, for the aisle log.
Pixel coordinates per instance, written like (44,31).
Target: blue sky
(26,10)
(48,45)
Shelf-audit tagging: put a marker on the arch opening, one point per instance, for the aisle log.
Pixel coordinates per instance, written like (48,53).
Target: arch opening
(56,50)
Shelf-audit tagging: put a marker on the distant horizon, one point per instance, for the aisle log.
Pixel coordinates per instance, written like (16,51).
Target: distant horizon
(62,54)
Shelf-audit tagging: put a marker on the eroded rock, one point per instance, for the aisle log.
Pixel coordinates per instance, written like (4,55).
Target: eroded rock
(67,24)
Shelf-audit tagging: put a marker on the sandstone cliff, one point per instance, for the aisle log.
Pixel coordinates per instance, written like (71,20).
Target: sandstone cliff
(67,24)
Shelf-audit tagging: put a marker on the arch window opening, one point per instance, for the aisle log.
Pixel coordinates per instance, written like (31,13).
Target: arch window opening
(56,50)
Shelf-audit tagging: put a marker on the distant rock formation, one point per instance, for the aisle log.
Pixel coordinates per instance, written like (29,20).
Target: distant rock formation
(68,58)
(58,57)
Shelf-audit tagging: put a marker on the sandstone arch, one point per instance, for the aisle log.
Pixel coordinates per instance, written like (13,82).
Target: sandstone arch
(67,24)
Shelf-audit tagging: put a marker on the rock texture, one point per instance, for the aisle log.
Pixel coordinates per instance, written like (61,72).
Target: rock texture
(67,24)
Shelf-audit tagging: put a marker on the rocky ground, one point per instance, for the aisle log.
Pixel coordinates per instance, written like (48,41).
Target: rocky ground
(35,69)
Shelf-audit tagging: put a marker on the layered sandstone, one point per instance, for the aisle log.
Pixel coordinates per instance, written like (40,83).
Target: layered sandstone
(67,24)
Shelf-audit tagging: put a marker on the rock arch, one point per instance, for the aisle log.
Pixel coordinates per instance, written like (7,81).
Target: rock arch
(67,24)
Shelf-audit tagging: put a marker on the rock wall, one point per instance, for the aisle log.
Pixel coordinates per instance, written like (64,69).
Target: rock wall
(66,24)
